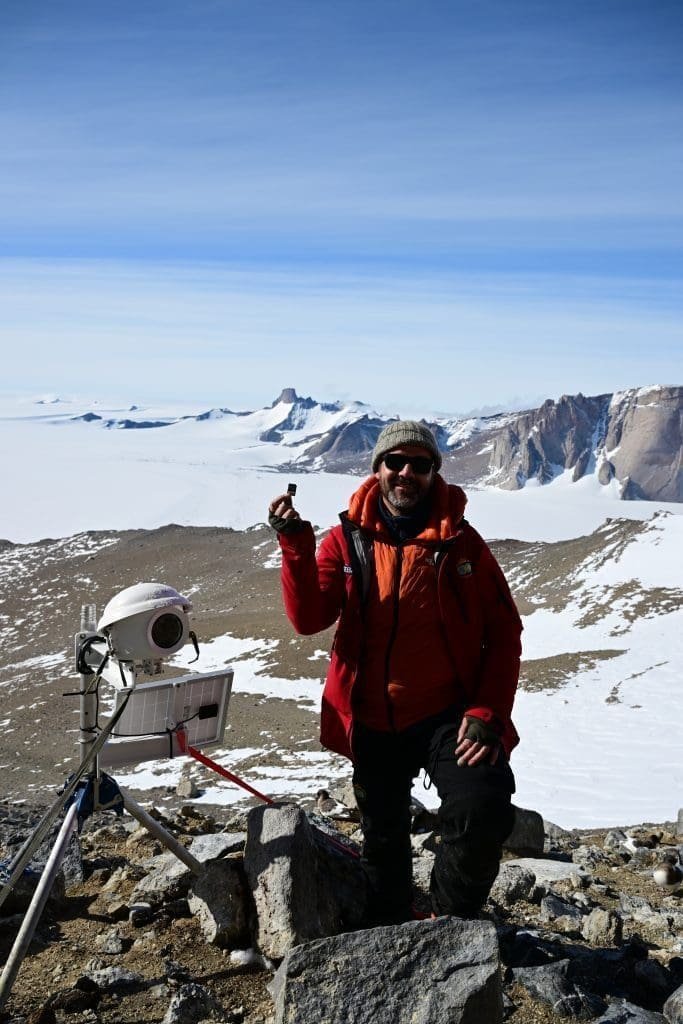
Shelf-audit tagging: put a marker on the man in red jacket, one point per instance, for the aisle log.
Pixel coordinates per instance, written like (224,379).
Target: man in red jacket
(423,669)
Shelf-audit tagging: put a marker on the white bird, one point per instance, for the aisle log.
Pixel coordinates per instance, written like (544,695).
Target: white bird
(331,808)
(668,875)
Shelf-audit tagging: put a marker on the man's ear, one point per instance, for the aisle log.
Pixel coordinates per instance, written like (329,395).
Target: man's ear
(376,475)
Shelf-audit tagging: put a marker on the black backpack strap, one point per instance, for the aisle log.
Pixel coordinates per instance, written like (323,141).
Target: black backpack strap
(361,552)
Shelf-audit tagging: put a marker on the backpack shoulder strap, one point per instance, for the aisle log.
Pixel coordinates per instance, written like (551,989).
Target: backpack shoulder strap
(361,553)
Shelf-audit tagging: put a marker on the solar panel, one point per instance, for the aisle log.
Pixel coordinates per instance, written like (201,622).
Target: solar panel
(145,731)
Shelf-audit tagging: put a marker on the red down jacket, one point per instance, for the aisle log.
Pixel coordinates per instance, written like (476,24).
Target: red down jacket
(446,579)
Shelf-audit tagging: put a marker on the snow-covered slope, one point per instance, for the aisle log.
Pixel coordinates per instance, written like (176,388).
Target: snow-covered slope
(601,701)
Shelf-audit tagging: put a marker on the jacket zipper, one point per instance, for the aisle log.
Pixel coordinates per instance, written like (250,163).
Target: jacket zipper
(392,635)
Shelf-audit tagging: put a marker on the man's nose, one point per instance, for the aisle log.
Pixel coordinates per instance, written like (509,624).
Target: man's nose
(406,471)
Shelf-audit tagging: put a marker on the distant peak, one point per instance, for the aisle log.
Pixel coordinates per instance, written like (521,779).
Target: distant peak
(288,396)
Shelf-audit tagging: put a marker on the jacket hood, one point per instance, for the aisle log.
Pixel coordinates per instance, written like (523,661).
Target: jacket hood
(447,500)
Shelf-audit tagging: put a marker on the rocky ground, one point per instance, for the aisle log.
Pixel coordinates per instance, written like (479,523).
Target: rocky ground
(583,929)
(107,950)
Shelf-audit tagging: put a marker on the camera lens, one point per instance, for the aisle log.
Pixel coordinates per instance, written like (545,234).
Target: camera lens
(166,631)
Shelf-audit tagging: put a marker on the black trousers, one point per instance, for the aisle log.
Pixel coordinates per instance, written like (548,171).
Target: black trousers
(476,816)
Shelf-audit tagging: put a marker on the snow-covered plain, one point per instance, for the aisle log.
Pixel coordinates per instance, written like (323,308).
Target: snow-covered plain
(604,749)
(65,475)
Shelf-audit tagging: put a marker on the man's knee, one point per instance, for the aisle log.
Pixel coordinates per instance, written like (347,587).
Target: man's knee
(467,860)
(476,821)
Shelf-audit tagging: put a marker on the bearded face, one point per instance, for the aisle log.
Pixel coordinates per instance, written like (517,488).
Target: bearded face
(402,483)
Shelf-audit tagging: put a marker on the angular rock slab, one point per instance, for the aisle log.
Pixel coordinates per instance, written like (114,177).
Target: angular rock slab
(444,971)
(623,1012)
(551,983)
(218,899)
(547,870)
(304,887)
(528,833)
(673,1007)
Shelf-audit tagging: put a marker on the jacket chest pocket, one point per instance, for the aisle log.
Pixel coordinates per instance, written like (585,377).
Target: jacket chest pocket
(418,575)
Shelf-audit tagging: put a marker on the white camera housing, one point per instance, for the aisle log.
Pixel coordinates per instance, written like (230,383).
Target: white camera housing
(146,622)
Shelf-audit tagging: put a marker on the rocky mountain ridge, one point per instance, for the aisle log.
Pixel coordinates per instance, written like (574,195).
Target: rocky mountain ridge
(630,440)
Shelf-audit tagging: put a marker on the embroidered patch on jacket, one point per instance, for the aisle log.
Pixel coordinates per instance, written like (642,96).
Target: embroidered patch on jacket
(464,568)
(348,570)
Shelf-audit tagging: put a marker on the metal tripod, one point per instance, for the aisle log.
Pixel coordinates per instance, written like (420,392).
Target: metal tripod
(82,793)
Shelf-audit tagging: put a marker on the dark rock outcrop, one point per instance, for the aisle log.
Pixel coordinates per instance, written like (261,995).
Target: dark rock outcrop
(439,972)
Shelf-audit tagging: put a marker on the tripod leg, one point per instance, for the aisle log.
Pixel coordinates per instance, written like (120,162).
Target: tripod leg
(28,926)
(160,833)
(33,842)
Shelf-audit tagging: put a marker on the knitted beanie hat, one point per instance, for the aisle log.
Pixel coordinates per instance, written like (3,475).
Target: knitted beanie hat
(402,432)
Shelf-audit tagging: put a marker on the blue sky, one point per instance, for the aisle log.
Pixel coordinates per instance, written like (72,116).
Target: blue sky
(438,204)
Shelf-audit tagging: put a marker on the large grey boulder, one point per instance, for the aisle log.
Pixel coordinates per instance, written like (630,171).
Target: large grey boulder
(167,879)
(219,900)
(303,885)
(546,870)
(216,844)
(623,1012)
(673,1007)
(552,984)
(528,834)
(444,971)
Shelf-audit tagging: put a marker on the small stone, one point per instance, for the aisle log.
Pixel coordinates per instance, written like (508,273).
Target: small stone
(590,857)
(643,857)
(140,914)
(614,839)
(602,928)
(109,943)
(45,1015)
(115,979)
(553,908)
(187,788)
(192,1003)
(514,882)
(422,841)
(72,1001)
(422,870)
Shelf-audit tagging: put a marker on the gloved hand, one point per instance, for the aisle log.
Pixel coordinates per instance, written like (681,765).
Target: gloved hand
(282,525)
(480,732)
(477,741)
(282,515)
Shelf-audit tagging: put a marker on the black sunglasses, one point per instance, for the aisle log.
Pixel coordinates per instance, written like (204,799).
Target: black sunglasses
(420,464)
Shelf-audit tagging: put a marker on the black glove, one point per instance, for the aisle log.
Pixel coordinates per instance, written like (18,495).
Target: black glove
(480,732)
(282,525)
